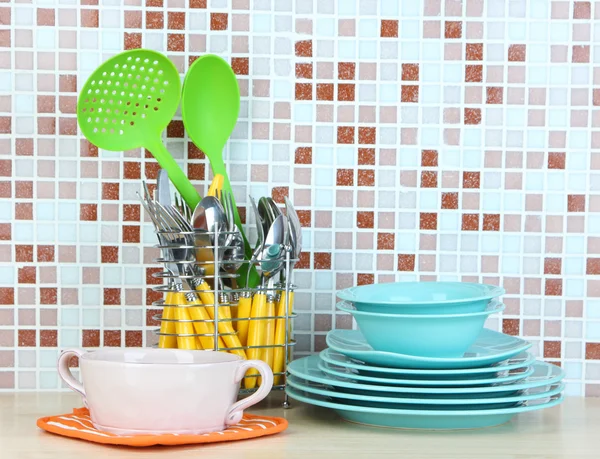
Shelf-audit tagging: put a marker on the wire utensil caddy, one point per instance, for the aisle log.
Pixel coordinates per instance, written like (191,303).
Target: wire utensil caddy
(200,286)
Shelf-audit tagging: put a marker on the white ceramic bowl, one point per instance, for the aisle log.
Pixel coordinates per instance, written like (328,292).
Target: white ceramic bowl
(157,391)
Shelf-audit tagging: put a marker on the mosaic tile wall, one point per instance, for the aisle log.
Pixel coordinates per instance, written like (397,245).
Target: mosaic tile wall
(418,139)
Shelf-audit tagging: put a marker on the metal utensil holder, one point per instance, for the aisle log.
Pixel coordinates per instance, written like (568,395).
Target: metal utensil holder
(191,273)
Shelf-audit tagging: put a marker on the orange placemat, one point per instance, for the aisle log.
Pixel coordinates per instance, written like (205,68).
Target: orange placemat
(79,425)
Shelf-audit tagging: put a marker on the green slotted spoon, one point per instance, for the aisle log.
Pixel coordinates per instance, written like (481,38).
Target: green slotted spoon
(127,102)
(210,106)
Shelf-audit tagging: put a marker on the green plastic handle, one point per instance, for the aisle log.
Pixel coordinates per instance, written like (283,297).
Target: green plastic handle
(218,167)
(189,194)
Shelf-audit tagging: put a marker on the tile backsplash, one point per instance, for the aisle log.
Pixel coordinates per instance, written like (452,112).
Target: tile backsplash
(450,140)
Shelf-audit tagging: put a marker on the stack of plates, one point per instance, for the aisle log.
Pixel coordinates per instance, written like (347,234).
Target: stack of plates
(487,384)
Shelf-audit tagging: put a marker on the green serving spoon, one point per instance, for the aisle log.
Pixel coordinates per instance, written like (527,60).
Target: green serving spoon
(127,102)
(210,106)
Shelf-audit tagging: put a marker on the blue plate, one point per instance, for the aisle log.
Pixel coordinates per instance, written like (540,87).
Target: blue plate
(423,419)
(524,359)
(495,378)
(424,335)
(490,347)
(534,393)
(421,297)
(307,368)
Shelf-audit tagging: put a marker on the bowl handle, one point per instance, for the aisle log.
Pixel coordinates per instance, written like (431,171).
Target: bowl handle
(65,372)
(237,409)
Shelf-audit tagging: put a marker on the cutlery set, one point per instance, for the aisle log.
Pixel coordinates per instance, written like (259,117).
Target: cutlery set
(422,360)
(219,292)
(204,308)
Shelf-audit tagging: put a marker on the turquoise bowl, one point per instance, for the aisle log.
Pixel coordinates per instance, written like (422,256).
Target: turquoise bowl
(421,297)
(430,335)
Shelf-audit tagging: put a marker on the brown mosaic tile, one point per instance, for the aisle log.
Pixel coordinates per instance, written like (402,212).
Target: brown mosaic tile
(428,220)
(553,287)
(155,20)
(304,91)
(582,10)
(110,254)
(110,191)
(345,134)
(7,295)
(552,266)
(324,91)
(474,51)
(346,92)
(176,21)
(45,253)
(304,48)
(304,71)
(365,219)
(48,338)
(279,193)
(27,338)
(24,211)
(511,327)
(88,212)
(131,212)
(491,222)
(428,179)
(471,180)
(322,260)
(406,262)
(5,232)
(197,3)
(385,241)
(346,70)
(133,338)
(131,234)
(516,53)
(474,73)
(389,28)
(303,155)
(132,40)
(453,29)
(494,95)
(592,351)
(366,177)
(366,156)
(367,135)
(409,93)
(581,53)
(592,266)
(218,21)
(305,218)
(23,253)
(345,177)
(90,338)
(176,42)
(556,160)
(410,72)
(240,65)
(472,116)
(576,203)
(112,296)
(470,222)
(552,349)
(48,295)
(27,275)
(365,279)
(5,190)
(112,338)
